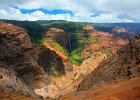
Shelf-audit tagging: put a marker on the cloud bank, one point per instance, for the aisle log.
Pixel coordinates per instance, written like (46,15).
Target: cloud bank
(82,10)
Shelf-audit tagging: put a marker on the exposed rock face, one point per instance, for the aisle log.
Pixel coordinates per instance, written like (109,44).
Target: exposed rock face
(88,29)
(58,35)
(125,64)
(50,91)
(90,64)
(102,42)
(13,41)
(56,40)
(51,63)
(122,32)
(26,62)
(9,82)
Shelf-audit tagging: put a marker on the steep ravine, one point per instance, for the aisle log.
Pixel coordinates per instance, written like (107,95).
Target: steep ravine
(24,66)
(116,78)
(69,83)
(125,64)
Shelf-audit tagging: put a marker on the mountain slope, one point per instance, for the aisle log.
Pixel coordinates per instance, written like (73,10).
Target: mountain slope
(34,30)
(125,64)
(24,66)
(117,78)
(52,72)
(123,32)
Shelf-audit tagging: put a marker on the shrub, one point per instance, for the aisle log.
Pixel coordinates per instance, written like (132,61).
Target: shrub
(109,52)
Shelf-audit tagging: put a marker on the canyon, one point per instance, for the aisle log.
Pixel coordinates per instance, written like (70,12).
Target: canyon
(51,70)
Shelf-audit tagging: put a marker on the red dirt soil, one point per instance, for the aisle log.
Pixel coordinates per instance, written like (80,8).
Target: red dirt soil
(64,57)
(119,90)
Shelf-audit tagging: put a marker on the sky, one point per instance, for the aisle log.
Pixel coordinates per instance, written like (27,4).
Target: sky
(96,11)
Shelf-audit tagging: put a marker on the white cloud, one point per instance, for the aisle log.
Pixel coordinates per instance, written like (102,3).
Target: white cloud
(109,18)
(37,15)
(111,10)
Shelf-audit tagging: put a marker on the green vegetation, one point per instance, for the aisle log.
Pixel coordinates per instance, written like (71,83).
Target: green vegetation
(95,40)
(35,30)
(75,55)
(57,46)
(69,27)
(39,41)
(73,30)
(107,27)
(109,52)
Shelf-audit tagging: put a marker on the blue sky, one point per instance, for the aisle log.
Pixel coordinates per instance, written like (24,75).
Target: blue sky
(54,11)
(99,11)
(46,11)
(96,14)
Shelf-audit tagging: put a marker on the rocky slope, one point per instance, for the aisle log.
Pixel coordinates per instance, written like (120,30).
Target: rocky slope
(24,66)
(33,66)
(71,80)
(59,35)
(58,41)
(98,46)
(125,64)
(119,90)
(97,41)
(117,78)
(88,29)
(122,32)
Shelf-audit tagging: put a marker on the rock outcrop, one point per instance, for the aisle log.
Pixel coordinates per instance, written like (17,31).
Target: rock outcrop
(24,66)
(90,64)
(58,41)
(125,64)
(59,36)
(123,33)
(88,29)
(98,41)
